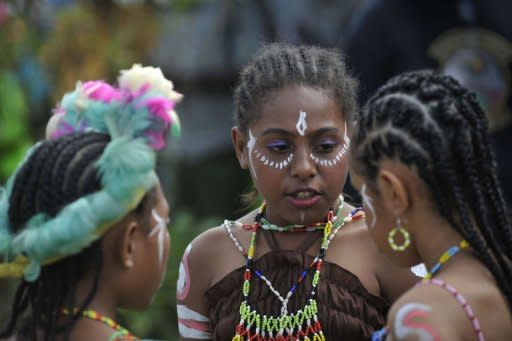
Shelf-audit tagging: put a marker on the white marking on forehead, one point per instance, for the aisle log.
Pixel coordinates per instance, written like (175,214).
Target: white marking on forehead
(302,126)
(161,224)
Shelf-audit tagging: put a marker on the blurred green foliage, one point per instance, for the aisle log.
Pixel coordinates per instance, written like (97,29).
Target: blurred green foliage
(14,135)
(15,40)
(160,320)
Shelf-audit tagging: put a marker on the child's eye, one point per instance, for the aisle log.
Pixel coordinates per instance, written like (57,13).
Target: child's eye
(279,146)
(325,146)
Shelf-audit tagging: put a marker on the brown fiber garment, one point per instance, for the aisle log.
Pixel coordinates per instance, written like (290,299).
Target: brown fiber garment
(347,311)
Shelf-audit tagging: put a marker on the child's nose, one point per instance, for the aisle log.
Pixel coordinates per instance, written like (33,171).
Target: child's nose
(302,165)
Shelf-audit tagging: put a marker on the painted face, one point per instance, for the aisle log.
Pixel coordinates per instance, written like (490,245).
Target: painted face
(157,244)
(379,221)
(296,153)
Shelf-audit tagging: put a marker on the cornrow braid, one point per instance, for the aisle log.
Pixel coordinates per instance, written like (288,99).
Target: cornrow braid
(279,65)
(58,172)
(432,123)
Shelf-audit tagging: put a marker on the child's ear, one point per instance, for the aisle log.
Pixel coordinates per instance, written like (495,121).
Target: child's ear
(393,191)
(238,139)
(128,245)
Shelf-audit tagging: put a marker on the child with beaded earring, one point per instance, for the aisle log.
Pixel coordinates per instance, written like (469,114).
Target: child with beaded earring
(83,220)
(302,266)
(421,159)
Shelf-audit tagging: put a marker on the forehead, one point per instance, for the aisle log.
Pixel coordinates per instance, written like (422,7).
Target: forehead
(161,203)
(283,106)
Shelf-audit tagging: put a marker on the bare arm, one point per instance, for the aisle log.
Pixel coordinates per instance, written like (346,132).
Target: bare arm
(193,281)
(412,320)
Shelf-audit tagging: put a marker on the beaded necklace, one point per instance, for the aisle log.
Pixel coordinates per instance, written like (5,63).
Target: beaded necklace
(381,334)
(121,333)
(266,225)
(304,323)
(445,257)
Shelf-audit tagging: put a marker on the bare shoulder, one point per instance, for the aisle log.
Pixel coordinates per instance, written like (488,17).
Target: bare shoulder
(353,239)
(435,311)
(354,226)
(355,235)
(421,314)
(217,251)
(207,248)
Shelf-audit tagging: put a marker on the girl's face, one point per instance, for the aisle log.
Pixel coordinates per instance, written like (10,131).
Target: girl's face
(156,247)
(380,221)
(296,152)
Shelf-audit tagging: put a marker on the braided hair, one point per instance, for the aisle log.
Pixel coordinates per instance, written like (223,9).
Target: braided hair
(57,173)
(279,65)
(434,125)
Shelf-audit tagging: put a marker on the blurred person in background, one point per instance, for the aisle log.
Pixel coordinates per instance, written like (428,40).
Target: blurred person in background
(467,39)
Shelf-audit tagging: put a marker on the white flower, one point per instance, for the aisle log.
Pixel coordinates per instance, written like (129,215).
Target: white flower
(138,76)
(53,124)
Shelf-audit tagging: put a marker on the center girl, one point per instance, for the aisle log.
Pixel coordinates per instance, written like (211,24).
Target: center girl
(302,266)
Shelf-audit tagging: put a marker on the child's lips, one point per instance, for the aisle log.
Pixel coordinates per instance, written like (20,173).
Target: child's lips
(304,198)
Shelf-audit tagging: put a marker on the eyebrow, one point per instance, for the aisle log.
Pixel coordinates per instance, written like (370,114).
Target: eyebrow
(280,131)
(277,131)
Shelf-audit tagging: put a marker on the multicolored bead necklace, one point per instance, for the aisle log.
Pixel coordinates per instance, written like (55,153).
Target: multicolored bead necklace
(268,226)
(445,257)
(304,323)
(381,334)
(120,334)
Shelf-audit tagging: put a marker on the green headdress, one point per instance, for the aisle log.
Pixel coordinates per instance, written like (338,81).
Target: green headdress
(136,115)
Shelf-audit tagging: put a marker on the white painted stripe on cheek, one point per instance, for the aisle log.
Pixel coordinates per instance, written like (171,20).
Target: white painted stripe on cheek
(160,229)
(368,202)
(250,147)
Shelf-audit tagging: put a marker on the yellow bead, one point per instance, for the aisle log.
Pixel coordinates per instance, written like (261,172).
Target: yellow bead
(444,257)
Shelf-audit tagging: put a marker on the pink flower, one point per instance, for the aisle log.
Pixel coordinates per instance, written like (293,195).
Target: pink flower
(101,91)
(160,109)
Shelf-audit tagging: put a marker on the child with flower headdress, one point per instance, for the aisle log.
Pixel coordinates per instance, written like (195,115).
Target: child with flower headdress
(83,218)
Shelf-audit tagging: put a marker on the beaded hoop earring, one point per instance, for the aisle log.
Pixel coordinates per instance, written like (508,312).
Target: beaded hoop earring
(403,232)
